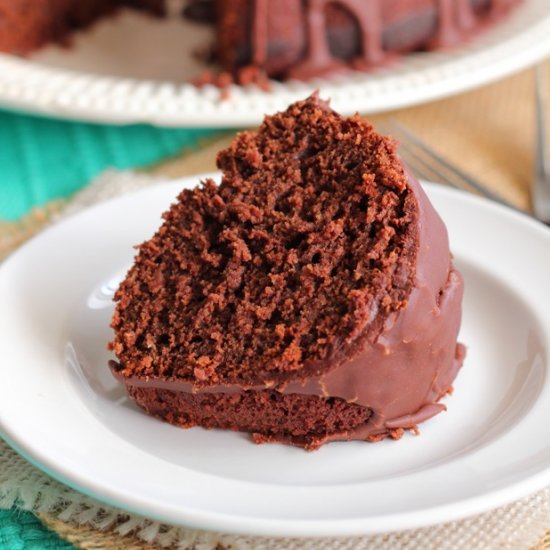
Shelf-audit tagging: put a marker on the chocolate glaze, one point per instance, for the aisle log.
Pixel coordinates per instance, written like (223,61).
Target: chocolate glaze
(402,375)
(319,59)
(384,27)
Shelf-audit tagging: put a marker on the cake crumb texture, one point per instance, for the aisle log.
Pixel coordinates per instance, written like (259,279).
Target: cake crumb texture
(306,247)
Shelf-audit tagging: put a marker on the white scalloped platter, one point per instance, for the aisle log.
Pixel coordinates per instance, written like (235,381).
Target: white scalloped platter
(135,68)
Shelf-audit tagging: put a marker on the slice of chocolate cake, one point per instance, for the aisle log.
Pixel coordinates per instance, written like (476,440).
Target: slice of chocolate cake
(309,297)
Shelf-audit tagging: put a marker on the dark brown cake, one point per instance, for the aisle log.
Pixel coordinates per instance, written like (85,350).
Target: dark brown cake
(26,26)
(308,297)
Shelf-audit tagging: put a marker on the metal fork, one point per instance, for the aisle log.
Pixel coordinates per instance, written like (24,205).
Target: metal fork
(429,165)
(541,181)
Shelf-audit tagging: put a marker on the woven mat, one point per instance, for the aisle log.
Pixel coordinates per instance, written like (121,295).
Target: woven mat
(490,133)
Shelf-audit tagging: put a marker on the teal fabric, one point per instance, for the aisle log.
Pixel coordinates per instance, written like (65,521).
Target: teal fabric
(43,159)
(22,531)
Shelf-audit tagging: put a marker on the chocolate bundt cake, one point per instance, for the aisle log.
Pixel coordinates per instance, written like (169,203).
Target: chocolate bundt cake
(283,39)
(307,38)
(309,297)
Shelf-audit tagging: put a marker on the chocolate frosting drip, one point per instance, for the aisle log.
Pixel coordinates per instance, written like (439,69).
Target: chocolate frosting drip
(260,33)
(454,20)
(412,364)
(319,59)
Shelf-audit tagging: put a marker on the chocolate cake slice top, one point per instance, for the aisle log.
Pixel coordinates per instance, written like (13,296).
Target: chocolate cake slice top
(296,258)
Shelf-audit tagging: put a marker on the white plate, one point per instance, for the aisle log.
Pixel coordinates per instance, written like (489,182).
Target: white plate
(60,407)
(134,68)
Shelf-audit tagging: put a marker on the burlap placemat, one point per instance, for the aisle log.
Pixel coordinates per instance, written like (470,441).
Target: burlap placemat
(489,133)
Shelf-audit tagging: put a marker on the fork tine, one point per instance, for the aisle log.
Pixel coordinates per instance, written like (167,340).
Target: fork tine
(541,183)
(424,169)
(445,167)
